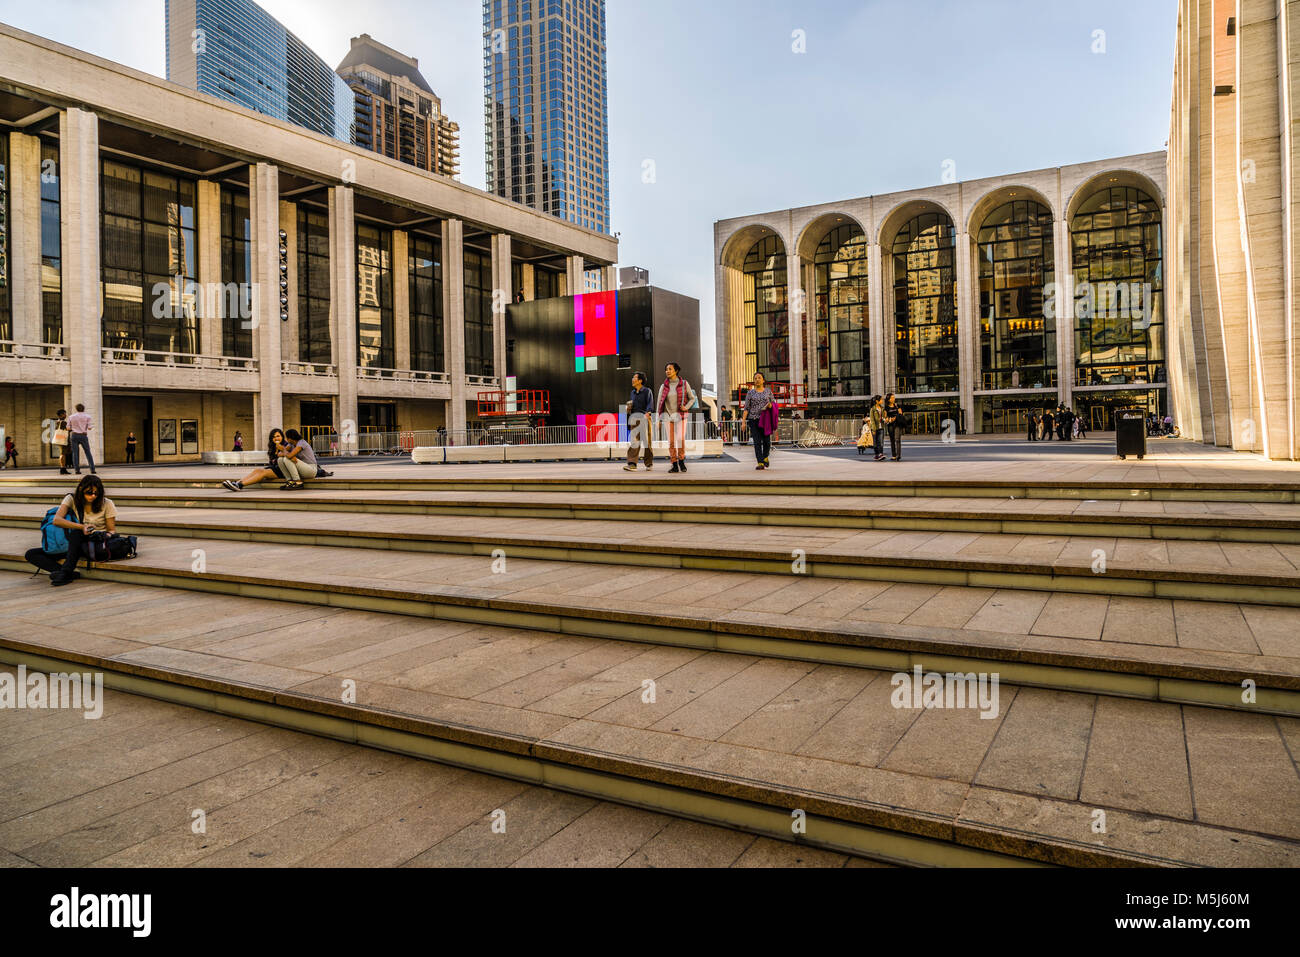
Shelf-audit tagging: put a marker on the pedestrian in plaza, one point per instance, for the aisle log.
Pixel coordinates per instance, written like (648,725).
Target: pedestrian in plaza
(676,399)
(1049,425)
(11,452)
(640,425)
(274,445)
(727,428)
(130,447)
(1082,426)
(79,438)
(239,442)
(82,513)
(297,462)
(59,439)
(865,437)
(1035,423)
(878,426)
(894,421)
(761,417)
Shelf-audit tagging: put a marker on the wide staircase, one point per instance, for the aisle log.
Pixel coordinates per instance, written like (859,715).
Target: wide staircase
(730,652)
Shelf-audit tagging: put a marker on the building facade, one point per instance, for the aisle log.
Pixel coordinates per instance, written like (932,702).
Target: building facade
(546,107)
(236,51)
(186,268)
(981,302)
(1235,250)
(397,112)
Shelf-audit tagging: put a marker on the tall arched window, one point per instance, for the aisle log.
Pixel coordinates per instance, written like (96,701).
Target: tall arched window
(1017,342)
(925,304)
(843,362)
(1119,320)
(767,317)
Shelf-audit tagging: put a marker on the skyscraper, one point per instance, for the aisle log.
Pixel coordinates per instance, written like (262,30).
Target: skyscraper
(397,112)
(546,106)
(236,51)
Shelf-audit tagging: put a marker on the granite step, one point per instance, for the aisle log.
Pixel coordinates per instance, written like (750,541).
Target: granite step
(830,756)
(1155,649)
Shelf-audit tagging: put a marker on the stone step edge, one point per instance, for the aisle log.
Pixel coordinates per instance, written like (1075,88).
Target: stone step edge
(1117,525)
(1205,685)
(1118,580)
(1279,492)
(882,832)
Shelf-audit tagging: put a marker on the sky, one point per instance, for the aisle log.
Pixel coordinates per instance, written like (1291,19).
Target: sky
(714,98)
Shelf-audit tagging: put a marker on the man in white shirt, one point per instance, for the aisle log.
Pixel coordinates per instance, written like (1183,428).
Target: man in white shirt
(79,438)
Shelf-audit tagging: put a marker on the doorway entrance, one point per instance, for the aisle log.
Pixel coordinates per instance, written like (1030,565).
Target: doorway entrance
(124,414)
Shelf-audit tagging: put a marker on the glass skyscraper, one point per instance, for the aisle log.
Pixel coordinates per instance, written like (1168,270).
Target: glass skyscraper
(546,106)
(236,51)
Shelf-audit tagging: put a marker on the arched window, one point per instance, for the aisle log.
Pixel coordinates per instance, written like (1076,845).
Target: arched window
(767,319)
(843,362)
(1119,320)
(1017,341)
(925,305)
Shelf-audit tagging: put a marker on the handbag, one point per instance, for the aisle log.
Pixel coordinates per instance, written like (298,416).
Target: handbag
(95,547)
(60,437)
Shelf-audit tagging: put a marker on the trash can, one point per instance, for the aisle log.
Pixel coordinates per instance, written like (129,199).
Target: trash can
(1130,433)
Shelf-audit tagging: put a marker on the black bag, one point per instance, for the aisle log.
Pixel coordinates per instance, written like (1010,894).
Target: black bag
(121,546)
(102,547)
(94,547)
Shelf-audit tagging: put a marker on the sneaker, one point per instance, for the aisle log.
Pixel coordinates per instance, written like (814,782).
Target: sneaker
(286,487)
(629,468)
(231,485)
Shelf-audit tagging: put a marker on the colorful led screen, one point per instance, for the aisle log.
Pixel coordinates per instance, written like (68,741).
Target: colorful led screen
(595,329)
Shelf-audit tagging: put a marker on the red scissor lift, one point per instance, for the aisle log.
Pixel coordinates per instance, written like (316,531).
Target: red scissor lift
(515,415)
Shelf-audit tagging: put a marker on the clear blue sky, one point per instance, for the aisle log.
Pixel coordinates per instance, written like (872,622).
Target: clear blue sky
(736,122)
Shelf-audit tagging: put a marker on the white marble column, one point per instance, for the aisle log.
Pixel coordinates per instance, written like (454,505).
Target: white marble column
(290,347)
(210,298)
(573,275)
(609,278)
(881,321)
(401,272)
(502,296)
(1064,304)
(25,237)
(453,311)
(967,331)
(343,311)
(79,222)
(264,228)
(798,306)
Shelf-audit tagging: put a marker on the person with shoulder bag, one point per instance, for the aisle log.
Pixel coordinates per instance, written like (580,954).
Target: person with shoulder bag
(83,525)
(896,421)
(877,421)
(59,439)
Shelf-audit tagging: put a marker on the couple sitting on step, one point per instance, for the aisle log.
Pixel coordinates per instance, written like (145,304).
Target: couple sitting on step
(292,459)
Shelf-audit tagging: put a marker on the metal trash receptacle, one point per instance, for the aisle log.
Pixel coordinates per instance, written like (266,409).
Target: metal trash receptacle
(1130,433)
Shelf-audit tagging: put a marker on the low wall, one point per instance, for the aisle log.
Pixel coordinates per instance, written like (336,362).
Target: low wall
(234,458)
(582,452)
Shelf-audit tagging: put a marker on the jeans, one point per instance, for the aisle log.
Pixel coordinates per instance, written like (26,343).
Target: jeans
(896,441)
(53,563)
(639,433)
(878,438)
(76,442)
(762,442)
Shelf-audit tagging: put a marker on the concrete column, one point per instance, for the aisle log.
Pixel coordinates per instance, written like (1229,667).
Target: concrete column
(722,320)
(501,297)
(573,275)
(798,306)
(878,317)
(1064,305)
(968,320)
(210,299)
(401,301)
(609,278)
(528,277)
(453,311)
(264,228)
(343,311)
(79,221)
(290,331)
(25,236)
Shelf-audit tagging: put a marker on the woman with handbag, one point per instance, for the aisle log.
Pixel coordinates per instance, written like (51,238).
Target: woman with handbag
(59,439)
(676,399)
(761,417)
(84,514)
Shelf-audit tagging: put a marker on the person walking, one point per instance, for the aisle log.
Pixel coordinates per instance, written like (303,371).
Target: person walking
(1049,426)
(676,399)
(59,439)
(239,442)
(639,423)
(130,447)
(726,425)
(877,416)
(894,422)
(1082,426)
(11,451)
(760,410)
(79,438)
(1034,425)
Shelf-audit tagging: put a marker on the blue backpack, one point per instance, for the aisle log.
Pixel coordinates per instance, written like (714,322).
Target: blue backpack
(54,540)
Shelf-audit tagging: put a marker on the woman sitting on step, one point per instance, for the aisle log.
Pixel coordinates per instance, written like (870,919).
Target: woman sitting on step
(83,512)
(297,461)
(274,446)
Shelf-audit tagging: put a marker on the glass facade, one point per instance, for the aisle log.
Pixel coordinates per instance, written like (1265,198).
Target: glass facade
(236,275)
(245,56)
(51,247)
(374,298)
(546,108)
(1015,255)
(925,305)
(843,364)
(425,271)
(1119,323)
(313,287)
(767,314)
(6,311)
(478,313)
(148,265)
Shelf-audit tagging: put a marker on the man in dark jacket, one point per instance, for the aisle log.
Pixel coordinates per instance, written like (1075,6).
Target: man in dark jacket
(639,425)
